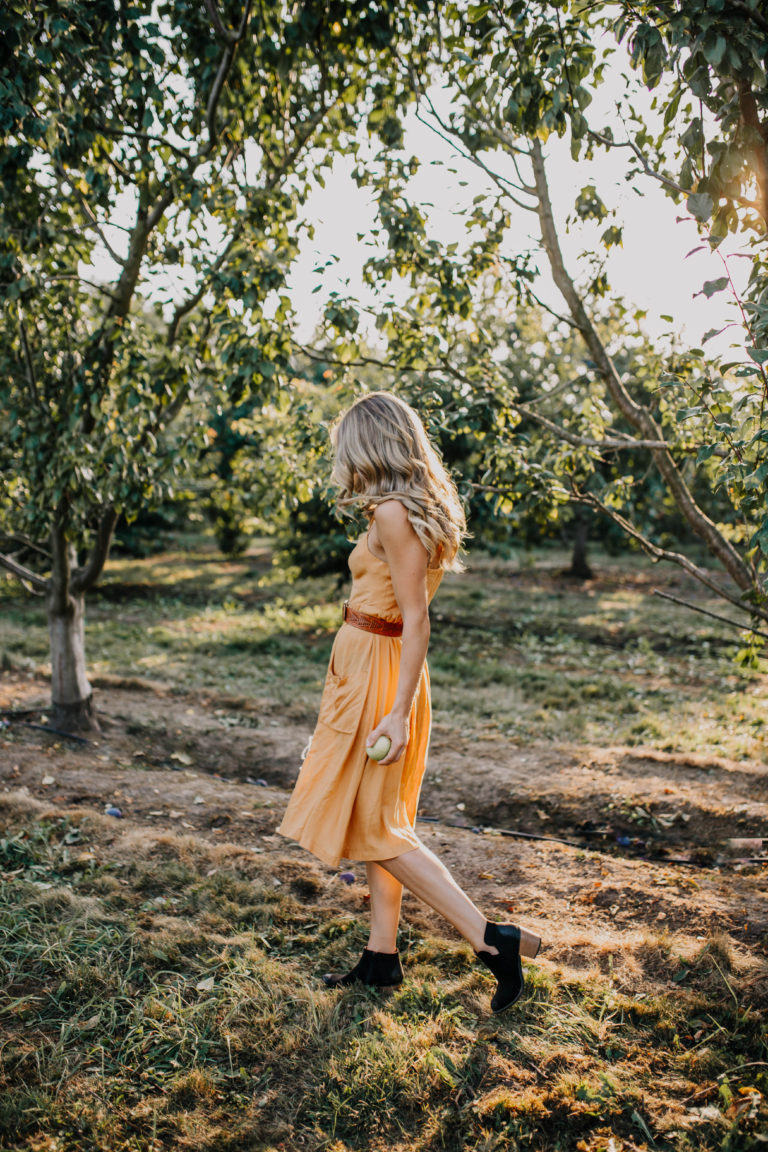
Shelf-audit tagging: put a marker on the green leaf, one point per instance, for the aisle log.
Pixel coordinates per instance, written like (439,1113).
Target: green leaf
(588,205)
(476,12)
(714,50)
(686,413)
(711,286)
(700,205)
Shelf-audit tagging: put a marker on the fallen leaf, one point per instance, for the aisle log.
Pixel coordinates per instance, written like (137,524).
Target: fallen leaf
(708,1112)
(205,985)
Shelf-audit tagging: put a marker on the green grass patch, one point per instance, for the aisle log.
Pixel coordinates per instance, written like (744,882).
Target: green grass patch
(513,650)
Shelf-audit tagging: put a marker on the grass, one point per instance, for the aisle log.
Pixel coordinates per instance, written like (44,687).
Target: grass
(514,650)
(162,992)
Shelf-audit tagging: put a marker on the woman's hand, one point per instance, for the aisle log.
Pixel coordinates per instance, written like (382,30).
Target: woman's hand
(395,728)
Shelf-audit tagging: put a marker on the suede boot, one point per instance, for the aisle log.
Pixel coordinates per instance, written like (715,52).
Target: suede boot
(377,969)
(506,966)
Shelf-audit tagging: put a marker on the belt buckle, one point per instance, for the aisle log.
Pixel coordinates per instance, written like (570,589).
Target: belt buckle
(344,611)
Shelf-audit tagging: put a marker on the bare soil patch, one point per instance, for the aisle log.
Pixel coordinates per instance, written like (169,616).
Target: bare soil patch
(222,766)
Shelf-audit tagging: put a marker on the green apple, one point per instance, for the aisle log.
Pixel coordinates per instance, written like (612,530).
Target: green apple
(380,749)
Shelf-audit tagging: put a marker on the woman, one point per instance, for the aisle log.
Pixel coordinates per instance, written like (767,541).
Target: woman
(346,804)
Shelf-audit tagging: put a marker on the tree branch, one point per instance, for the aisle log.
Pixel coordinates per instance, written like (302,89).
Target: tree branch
(637,415)
(232,40)
(672,185)
(24,542)
(706,612)
(83,579)
(80,280)
(678,558)
(30,368)
(751,13)
(215,94)
(192,301)
(449,136)
(557,315)
(609,142)
(21,572)
(227,34)
(611,443)
(93,219)
(558,390)
(144,137)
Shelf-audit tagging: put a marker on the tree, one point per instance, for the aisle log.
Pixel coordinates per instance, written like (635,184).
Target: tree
(518,74)
(176,144)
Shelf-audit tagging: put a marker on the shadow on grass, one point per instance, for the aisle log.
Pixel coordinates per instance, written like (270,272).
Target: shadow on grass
(161,991)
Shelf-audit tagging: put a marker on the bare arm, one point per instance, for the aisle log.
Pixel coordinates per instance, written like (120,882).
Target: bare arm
(407,559)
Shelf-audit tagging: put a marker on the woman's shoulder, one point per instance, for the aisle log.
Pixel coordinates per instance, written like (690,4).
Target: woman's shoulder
(390,511)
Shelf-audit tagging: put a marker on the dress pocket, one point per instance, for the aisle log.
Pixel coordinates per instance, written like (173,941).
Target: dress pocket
(341,704)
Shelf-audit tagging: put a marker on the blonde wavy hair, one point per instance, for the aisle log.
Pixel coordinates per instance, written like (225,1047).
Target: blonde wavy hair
(382,451)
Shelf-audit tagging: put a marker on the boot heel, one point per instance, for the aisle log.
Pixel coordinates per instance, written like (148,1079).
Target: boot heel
(530,944)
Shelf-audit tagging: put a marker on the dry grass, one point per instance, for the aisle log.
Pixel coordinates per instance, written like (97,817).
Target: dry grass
(162,992)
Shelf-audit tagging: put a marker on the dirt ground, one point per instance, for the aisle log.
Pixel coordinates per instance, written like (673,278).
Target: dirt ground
(641,844)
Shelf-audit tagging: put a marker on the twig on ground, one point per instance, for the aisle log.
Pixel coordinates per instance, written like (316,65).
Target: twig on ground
(55,731)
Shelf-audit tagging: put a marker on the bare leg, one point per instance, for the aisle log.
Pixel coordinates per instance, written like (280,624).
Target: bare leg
(386,897)
(428,878)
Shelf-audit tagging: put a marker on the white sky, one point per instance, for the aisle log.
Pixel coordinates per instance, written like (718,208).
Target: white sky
(649,271)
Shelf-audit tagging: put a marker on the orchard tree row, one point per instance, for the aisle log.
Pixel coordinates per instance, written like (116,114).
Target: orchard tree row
(177,146)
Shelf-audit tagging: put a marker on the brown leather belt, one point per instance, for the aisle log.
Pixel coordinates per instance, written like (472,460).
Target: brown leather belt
(371,623)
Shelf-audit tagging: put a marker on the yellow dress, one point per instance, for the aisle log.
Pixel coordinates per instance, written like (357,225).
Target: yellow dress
(345,804)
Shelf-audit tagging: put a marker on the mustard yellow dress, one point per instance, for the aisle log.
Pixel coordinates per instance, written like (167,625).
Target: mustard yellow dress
(345,804)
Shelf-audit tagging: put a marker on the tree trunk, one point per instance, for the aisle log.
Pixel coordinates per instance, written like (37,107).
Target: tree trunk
(71,693)
(638,415)
(580,569)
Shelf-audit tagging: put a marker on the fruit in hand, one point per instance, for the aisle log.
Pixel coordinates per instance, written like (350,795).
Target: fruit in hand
(379,750)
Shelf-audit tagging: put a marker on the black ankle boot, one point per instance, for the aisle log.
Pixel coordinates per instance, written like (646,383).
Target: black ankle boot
(377,969)
(506,966)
